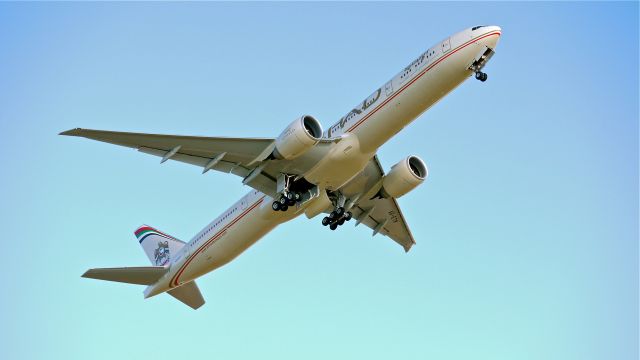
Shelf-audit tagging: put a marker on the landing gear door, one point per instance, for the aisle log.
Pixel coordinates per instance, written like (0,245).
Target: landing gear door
(481,59)
(446,46)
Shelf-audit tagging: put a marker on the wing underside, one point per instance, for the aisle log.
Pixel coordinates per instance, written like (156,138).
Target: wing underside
(382,215)
(247,158)
(238,156)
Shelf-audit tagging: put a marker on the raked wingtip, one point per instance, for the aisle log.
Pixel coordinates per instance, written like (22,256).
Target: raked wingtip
(72,132)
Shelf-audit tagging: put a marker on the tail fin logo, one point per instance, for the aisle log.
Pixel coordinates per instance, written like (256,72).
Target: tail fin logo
(161,253)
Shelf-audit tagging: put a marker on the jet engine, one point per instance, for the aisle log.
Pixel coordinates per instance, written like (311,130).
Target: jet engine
(301,135)
(404,177)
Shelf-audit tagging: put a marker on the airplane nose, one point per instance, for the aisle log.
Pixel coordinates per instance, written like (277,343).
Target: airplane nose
(491,36)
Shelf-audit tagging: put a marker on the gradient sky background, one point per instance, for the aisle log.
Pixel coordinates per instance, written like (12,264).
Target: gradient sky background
(527,227)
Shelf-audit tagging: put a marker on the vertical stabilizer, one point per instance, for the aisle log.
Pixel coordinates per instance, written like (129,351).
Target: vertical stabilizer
(158,246)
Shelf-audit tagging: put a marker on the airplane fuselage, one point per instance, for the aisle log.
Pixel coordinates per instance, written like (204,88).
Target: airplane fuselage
(398,102)
(362,131)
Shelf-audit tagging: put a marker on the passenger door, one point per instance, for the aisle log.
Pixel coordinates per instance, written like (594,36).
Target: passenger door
(446,46)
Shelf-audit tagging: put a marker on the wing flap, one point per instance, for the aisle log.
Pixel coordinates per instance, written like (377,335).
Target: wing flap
(238,156)
(238,150)
(386,219)
(222,165)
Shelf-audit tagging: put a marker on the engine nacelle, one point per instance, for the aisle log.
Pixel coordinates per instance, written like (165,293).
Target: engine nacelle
(301,135)
(404,177)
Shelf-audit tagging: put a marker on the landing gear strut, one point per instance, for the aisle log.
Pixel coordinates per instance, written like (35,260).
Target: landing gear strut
(481,76)
(287,197)
(480,63)
(339,215)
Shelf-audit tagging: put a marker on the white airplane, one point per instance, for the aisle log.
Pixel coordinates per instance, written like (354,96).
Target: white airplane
(304,170)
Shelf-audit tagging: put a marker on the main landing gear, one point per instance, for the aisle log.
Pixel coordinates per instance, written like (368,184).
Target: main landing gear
(336,218)
(481,76)
(290,192)
(289,198)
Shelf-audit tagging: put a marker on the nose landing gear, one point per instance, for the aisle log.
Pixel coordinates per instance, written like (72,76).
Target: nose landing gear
(481,76)
(480,62)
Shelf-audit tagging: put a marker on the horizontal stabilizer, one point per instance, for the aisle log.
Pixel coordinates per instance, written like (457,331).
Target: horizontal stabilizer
(142,275)
(188,294)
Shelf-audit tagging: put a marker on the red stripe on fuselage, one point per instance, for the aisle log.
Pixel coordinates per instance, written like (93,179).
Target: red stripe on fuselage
(212,239)
(175,279)
(419,76)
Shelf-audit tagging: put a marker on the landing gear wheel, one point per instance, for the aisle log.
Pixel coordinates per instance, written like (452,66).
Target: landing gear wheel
(291,202)
(275,206)
(284,208)
(348,216)
(341,221)
(339,211)
(297,196)
(333,226)
(283,201)
(333,215)
(481,76)
(326,221)
(291,196)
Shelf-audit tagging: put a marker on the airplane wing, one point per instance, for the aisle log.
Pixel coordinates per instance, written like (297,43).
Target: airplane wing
(245,157)
(239,156)
(383,215)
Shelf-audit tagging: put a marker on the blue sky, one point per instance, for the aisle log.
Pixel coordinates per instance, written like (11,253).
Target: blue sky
(527,227)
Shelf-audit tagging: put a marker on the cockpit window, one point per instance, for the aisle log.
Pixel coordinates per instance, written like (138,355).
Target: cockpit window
(476,27)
